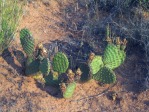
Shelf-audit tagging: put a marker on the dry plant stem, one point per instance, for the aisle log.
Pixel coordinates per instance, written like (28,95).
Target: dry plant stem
(97,95)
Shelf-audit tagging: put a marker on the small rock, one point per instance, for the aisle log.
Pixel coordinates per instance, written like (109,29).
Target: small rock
(35,5)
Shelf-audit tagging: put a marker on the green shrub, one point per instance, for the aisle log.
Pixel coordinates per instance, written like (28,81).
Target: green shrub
(9,16)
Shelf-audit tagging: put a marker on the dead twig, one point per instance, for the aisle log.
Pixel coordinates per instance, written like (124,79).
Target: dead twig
(97,95)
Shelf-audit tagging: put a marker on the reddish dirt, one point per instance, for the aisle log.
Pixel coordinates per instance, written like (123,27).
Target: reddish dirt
(23,94)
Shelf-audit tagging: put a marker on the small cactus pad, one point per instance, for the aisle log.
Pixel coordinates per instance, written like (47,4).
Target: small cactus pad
(29,61)
(60,63)
(69,90)
(113,56)
(105,75)
(96,64)
(85,69)
(27,42)
(32,68)
(51,79)
(37,76)
(45,66)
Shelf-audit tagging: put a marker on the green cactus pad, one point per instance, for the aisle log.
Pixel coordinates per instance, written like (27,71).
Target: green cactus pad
(60,63)
(45,66)
(29,60)
(32,68)
(113,56)
(51,80)
(122,55)
(27,42)
(96,64)
(85,69)
(105,75)
(69,90)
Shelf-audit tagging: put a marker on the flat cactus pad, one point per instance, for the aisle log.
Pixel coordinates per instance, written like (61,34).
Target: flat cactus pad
(113,56)
(60,63)
(105,75)
(32,68)
(96,64)
(51,80)
(27,41)
(69,90)
(45,66)
(85,69)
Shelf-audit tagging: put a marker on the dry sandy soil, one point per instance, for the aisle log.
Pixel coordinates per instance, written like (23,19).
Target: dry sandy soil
(19,93)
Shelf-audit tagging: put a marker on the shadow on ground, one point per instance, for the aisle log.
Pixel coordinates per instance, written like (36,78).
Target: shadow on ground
(15,58)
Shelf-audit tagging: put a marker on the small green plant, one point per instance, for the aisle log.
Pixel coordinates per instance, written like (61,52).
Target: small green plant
(9,16)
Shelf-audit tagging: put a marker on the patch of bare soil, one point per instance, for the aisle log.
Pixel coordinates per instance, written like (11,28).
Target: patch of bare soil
(19,93)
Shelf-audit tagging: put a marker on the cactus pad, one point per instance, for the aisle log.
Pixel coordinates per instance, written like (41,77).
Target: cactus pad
(113,56)
(27,42)
(51,79)
(45,66)
(96,64)
(60,63)
(105,75)
(85,69)
(69,90)
(32,68)
(29,61)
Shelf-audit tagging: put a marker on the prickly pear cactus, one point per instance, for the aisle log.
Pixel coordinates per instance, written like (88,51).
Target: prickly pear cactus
(69,90)
(105,75)
(32,67)
(60,63)
(85,69)
(45,66)
(113,56)
(27,42)
(29,60)
(96,64)
(52,79)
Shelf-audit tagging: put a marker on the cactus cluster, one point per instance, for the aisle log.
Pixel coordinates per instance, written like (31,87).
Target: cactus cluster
(56,71)
(101,68)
